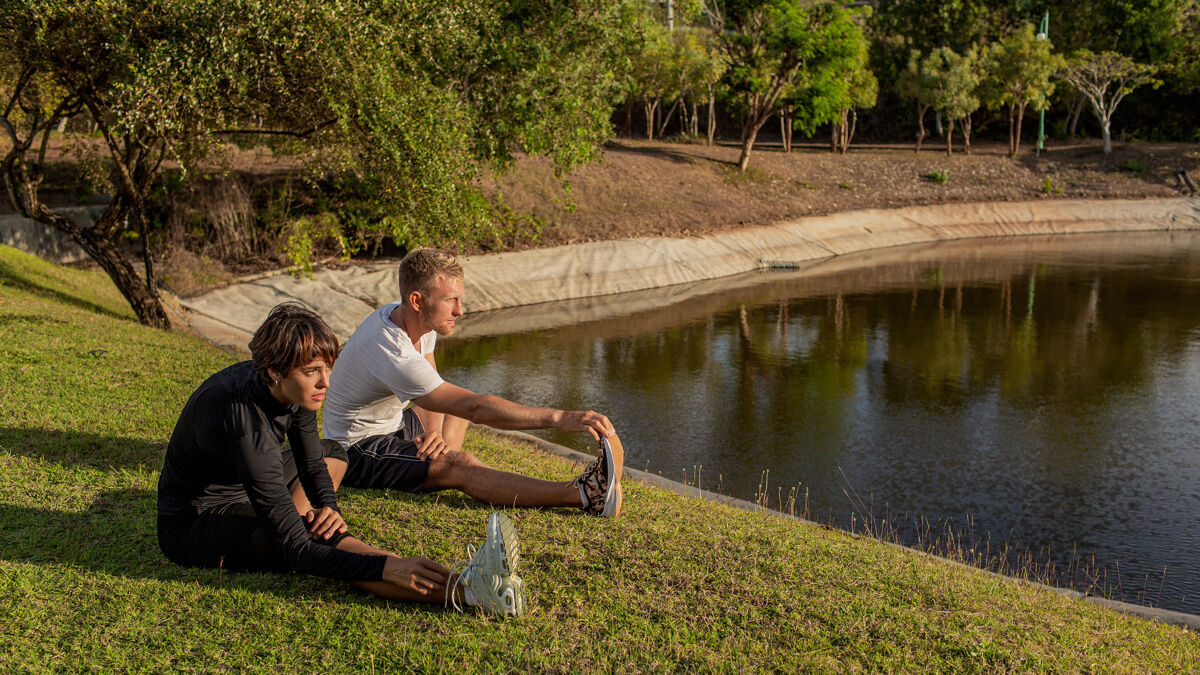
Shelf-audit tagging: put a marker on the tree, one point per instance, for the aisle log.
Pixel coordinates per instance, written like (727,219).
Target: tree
(953,81)
(766,44)
(829,92)
(654,74)
(1105,79)
(1018,75)
(419,96)
(915,83)
(700,73)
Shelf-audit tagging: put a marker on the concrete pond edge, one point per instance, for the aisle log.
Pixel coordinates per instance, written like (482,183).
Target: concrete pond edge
(1173,618)
(344,295)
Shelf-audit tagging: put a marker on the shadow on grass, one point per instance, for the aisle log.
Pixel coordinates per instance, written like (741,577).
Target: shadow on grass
(74,448)
(117,535)
(13,277)
(677,156)
(1153,164)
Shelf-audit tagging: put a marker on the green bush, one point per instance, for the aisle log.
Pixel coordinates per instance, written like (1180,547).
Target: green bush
(939,176)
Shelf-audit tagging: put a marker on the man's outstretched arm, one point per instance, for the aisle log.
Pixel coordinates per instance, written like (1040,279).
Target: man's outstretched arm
(499,413)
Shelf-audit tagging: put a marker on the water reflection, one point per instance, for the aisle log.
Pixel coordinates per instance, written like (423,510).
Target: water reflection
(1043,391)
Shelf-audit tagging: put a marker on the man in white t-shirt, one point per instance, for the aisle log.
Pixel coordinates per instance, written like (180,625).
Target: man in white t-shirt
(389,362)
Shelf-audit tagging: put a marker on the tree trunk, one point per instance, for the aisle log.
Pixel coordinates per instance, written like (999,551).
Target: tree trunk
(650,105)
(921,110)
(1073,118)
(662,127)
(748,137)
(966,128)
(783,131)
(145,303)
(712,119)
(1020,122)
(850,133)
(1106,125)
(1012,126)
(950,139)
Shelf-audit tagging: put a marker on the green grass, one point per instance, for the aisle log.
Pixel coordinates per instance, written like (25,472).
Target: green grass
(673,584)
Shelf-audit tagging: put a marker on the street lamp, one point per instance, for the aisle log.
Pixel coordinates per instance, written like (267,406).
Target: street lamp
(1043,34)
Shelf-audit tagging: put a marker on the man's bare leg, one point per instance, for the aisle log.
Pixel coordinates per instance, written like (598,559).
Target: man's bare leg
(462,471)
(453,429)
(337,471)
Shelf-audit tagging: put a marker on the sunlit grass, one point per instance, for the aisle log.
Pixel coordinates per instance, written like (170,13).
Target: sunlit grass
(88,399)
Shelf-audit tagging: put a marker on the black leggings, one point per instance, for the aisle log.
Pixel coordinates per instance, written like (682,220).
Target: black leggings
(229,536)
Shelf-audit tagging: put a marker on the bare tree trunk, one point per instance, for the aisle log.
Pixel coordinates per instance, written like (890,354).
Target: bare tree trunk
(651,106)
(1073,118)
(712,118)
(1012,126)
(850,134)
(748,137)
(1106,129)
(662,127)
(921,110)
(1020,122)
(950,138)
(966,128)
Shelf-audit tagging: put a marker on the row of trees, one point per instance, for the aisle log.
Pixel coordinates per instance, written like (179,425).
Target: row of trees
(815,64)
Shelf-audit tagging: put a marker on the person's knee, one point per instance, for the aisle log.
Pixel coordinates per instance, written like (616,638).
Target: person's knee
(458,458)
(451,470)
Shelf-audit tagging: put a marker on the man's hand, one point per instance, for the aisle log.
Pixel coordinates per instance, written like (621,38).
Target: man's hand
(585,420)
(430,445)
(324,522)
(418,574)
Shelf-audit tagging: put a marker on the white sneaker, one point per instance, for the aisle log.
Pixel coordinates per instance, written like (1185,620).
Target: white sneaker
(488,578)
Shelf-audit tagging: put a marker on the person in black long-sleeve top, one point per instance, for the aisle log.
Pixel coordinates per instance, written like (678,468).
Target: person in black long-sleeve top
(223,496)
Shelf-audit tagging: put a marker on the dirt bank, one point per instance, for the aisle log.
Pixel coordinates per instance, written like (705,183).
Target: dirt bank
(646,189)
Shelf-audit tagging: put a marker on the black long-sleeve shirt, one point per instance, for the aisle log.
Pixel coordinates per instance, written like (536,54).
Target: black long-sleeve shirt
(227,448)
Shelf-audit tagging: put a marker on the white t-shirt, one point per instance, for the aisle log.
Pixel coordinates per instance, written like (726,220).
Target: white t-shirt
(378,372)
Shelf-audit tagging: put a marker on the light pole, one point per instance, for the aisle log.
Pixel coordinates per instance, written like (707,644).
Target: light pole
(1043,33)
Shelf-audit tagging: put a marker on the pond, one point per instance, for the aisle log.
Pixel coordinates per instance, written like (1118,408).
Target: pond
(1036,400)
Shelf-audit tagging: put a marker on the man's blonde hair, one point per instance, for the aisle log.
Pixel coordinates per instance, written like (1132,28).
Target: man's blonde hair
(420,269)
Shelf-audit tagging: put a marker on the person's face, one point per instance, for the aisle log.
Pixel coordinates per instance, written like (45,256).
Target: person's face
(304,386)
(443,307)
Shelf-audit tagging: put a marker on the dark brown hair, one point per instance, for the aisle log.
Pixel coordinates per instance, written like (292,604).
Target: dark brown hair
(292,336)
(420,269)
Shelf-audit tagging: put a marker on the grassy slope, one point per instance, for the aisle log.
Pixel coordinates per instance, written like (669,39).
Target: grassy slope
(673,583)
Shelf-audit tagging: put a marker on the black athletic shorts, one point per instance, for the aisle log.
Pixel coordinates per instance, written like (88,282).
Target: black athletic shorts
(389,461)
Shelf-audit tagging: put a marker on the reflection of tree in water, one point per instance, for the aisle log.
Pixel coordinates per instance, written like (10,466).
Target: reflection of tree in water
(1033,338)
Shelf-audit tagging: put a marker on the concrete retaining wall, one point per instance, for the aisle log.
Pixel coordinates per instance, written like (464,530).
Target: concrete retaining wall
(46,242)
(230,315)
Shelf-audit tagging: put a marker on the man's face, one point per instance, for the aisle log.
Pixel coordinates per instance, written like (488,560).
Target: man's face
(442,308)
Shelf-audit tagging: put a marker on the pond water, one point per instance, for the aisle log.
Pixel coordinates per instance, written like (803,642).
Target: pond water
(1037,398)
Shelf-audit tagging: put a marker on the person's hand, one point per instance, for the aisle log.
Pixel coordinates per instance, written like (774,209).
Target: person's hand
(418,574)
(586,421)
(430,445)
(324,522)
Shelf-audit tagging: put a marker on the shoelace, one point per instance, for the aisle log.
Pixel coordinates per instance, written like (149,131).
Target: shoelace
(460,580)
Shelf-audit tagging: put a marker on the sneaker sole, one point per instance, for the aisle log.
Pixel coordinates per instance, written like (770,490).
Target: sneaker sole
(504,533)
(614,458)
